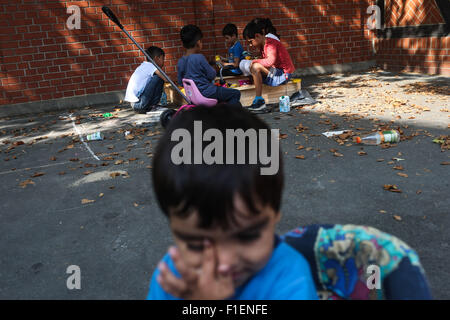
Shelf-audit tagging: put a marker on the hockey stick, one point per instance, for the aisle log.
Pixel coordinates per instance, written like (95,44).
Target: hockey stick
(114,19)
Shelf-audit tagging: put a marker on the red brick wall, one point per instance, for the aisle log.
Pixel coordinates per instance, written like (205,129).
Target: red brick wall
(41,59)
(412,13)
(424,55)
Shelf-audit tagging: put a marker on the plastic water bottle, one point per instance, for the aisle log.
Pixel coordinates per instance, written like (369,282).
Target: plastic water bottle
(284,104)
(95,136)
(391,136)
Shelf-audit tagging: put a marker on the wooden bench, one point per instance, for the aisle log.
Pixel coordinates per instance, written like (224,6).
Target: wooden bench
(270,94)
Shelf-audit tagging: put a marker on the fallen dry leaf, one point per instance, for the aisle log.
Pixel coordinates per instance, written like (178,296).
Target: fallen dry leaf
(402,175)
(418,191)
(118,162)
(53,158)
(391,188)
(61,173)
(300,157)
(87,172)
(398,218)
(26,182)
(380,160)
(74,159)
(129,137)
(108,159)
(132,159)
(85,201)
(101,195)
(283,136)
(114,174)
(136,205)
(362,153)
(337,154)
(398,168)
(300,147)
(37,174)
(445,163)
(383,211)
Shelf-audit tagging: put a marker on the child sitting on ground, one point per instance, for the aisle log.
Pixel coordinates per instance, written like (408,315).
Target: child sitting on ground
(275,67)
(235,51)
(193,65)
(223,216)
(146,84)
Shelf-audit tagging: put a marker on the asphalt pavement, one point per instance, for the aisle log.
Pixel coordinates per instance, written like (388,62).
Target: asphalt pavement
(65,202)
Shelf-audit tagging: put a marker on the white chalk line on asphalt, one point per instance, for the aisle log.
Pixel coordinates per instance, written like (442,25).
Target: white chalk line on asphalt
(58,163)
(81,138)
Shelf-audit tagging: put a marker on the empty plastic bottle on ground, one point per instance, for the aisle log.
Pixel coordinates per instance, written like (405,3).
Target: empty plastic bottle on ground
(390,136)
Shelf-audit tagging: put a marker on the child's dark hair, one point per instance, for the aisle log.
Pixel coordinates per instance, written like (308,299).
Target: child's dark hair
(262,26)
(155,52)
(230,30)
(190,34)
(210,189)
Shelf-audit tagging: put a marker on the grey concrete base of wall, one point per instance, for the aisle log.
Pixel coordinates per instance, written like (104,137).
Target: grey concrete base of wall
(63,104)
(335,68)
(115,97)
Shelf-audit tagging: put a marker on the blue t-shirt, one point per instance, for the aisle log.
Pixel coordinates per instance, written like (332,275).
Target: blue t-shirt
(235,51)
(286,276)
(196,68)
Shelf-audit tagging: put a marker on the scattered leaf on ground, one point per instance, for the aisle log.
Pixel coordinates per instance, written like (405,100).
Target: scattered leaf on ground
(362,153)
(114,174)
(53,158)
(337,154)
(118,162)
(87,172)
(37,174)
(398,168)
(300,157)
(101,195)
(445,163)
(26,182)
(85,201)
(392,188)
(398,218)
(402,175)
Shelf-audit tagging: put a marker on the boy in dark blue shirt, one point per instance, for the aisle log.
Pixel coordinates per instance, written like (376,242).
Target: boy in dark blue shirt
(235,51)
(223,216)
(193,65)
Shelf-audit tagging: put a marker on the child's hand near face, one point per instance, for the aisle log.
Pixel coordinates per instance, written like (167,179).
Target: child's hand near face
(211,282)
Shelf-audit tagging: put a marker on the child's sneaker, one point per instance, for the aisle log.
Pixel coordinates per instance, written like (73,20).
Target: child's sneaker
(257,105)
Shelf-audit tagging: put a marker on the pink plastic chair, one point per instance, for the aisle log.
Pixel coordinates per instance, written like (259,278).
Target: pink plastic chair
(195,96)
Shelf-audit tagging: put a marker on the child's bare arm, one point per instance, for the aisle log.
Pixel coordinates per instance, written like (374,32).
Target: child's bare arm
(235,63)
(269,60)
(159,74)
